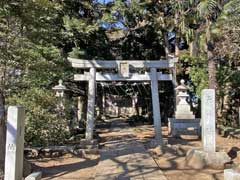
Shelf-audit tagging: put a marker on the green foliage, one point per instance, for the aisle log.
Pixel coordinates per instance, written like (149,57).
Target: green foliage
(208,8)
(30,63)
(79,25)
(43,126)
(197,71)
(199,79)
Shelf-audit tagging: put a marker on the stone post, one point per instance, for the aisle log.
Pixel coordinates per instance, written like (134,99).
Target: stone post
(91,104)
(208,120)
(80,108)
(174,83)
(134,104)
(14,143)
(103,104)
(156,106)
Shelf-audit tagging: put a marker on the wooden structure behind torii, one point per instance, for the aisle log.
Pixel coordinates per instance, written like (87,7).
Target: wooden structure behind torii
(124,68)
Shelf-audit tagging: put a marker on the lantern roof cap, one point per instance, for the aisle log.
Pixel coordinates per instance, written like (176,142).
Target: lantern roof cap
(60,86)
(182,86)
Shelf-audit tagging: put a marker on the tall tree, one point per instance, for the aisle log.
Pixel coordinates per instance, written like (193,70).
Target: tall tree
(209,11)
(24,27)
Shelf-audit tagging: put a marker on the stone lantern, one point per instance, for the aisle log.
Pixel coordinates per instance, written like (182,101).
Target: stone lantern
(184,121)
(183,110)
(60,89)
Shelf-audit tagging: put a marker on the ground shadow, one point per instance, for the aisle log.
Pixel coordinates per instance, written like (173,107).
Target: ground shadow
(60,170)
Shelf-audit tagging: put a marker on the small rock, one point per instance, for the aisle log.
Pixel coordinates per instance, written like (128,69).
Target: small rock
(180,151)
(35,153)
(80,152)
(153,143)
(34,176)
(169,145)
(56,154)
(199,159)
(217,160)
(158,151)
(47,154)
(233,152)
(195,159)
(92,151)
(31,153)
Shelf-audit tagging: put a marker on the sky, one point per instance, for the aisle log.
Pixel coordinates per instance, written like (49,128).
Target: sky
(105,1)
(105,25)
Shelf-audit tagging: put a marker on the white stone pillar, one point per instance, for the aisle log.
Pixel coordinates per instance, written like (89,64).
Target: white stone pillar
(156,106)
(103,104)
(91,104)
(208,115)
(14,143)
(80,108)
(134,102)
(174,82)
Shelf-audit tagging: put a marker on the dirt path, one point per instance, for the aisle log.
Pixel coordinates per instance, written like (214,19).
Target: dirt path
(123,157)
(67,168)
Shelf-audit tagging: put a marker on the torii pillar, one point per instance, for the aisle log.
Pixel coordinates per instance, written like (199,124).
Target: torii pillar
(156,106)
(91,103)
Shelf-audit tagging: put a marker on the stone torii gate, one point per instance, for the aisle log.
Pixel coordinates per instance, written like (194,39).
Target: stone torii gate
(124,68)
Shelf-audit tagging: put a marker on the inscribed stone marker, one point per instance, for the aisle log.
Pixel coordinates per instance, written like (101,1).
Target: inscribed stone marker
(208,120)
(14,143)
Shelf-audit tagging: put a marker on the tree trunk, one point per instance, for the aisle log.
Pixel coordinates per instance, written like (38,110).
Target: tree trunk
(177,50)
(166,43)
(211,72)
(194,45)
(2,131)
(174,70)
(177,33)
(212,82)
